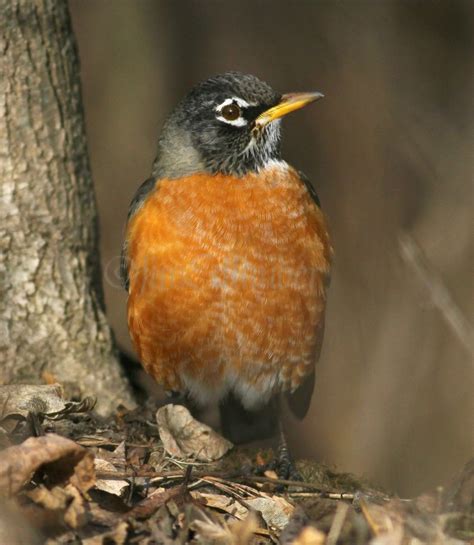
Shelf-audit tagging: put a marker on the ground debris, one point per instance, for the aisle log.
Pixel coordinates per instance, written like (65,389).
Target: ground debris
(17,401)
(113,486)
(275,510)
(93,481)
(59,458)
(212,531)
(185,437)
(117,536)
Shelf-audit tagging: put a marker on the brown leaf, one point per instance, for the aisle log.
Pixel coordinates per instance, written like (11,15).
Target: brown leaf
(55,499)
(394,537)
(15,529)
(221,502)
(153,502)
(112,486)
(298,521)
(17,400)
(56,507)
(61,459)
(67,502)
(211,531)
(275,510)
(117,536)
(243,530)
(83,477)
(380,519)
(4,439)
(270,474)
(310,536)
(185,437)
(75,515)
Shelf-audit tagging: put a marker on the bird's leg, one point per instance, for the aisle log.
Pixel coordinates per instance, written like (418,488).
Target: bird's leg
(240,425)
(282,464)
(285,465)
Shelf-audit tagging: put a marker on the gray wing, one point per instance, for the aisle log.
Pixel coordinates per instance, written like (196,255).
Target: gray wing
(300,400)
(309,187)
(138,199)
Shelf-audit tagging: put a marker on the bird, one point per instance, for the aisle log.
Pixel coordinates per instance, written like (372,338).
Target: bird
(227,258)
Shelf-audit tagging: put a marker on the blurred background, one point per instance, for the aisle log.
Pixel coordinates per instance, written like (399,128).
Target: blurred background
(390,152)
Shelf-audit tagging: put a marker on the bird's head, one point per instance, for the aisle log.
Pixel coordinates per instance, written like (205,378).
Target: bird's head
(227,124)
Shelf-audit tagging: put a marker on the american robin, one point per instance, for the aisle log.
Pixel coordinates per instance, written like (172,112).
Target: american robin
(226,257)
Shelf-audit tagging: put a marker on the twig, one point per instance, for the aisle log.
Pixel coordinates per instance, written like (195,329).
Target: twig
(242,488)
(228,480)
(119,475)
(187,476)
(152,503)
(284,482)
(99,442)
(327,495)
(337,524)
(228,490)
(413,255)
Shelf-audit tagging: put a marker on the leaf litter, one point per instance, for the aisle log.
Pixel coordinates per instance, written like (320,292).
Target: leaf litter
(147,477)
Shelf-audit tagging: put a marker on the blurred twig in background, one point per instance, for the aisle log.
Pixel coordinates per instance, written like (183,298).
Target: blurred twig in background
(437,290)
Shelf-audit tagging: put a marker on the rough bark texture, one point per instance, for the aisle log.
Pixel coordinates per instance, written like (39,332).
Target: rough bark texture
(51,302)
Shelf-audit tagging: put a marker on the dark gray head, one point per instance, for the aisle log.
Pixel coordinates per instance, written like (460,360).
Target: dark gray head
(229,124)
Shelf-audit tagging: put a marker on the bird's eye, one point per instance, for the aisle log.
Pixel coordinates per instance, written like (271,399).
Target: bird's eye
(231,112)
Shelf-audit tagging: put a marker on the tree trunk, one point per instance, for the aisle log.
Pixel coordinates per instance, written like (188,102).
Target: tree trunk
(51,302)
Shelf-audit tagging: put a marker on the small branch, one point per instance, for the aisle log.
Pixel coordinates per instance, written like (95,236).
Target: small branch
(212,478)
(414,257)
(337,524)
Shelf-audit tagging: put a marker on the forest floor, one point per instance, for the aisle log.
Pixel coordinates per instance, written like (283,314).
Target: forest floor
(148,477)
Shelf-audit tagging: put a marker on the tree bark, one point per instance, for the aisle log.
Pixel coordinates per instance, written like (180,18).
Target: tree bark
(52,316)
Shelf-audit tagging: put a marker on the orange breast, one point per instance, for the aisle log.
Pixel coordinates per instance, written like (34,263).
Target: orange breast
(227,283)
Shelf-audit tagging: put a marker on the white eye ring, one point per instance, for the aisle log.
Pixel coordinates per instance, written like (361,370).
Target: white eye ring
(240,121)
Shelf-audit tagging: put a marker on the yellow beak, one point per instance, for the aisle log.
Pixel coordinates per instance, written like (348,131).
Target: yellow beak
(289,103)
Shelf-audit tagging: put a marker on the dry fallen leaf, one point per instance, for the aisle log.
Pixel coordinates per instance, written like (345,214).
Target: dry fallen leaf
(113,486)
(399,522)
(5,440)
(117,536)
(394,537)
(149,505)
(380,519)
(56,507)
(55,499)
(221,502)
(211,531)
(310,536)
(270,474)
(15,528)
(276,511)
(298,521)
(75,515)
(186,438)
(243,530)
(17,400)
(62,460)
